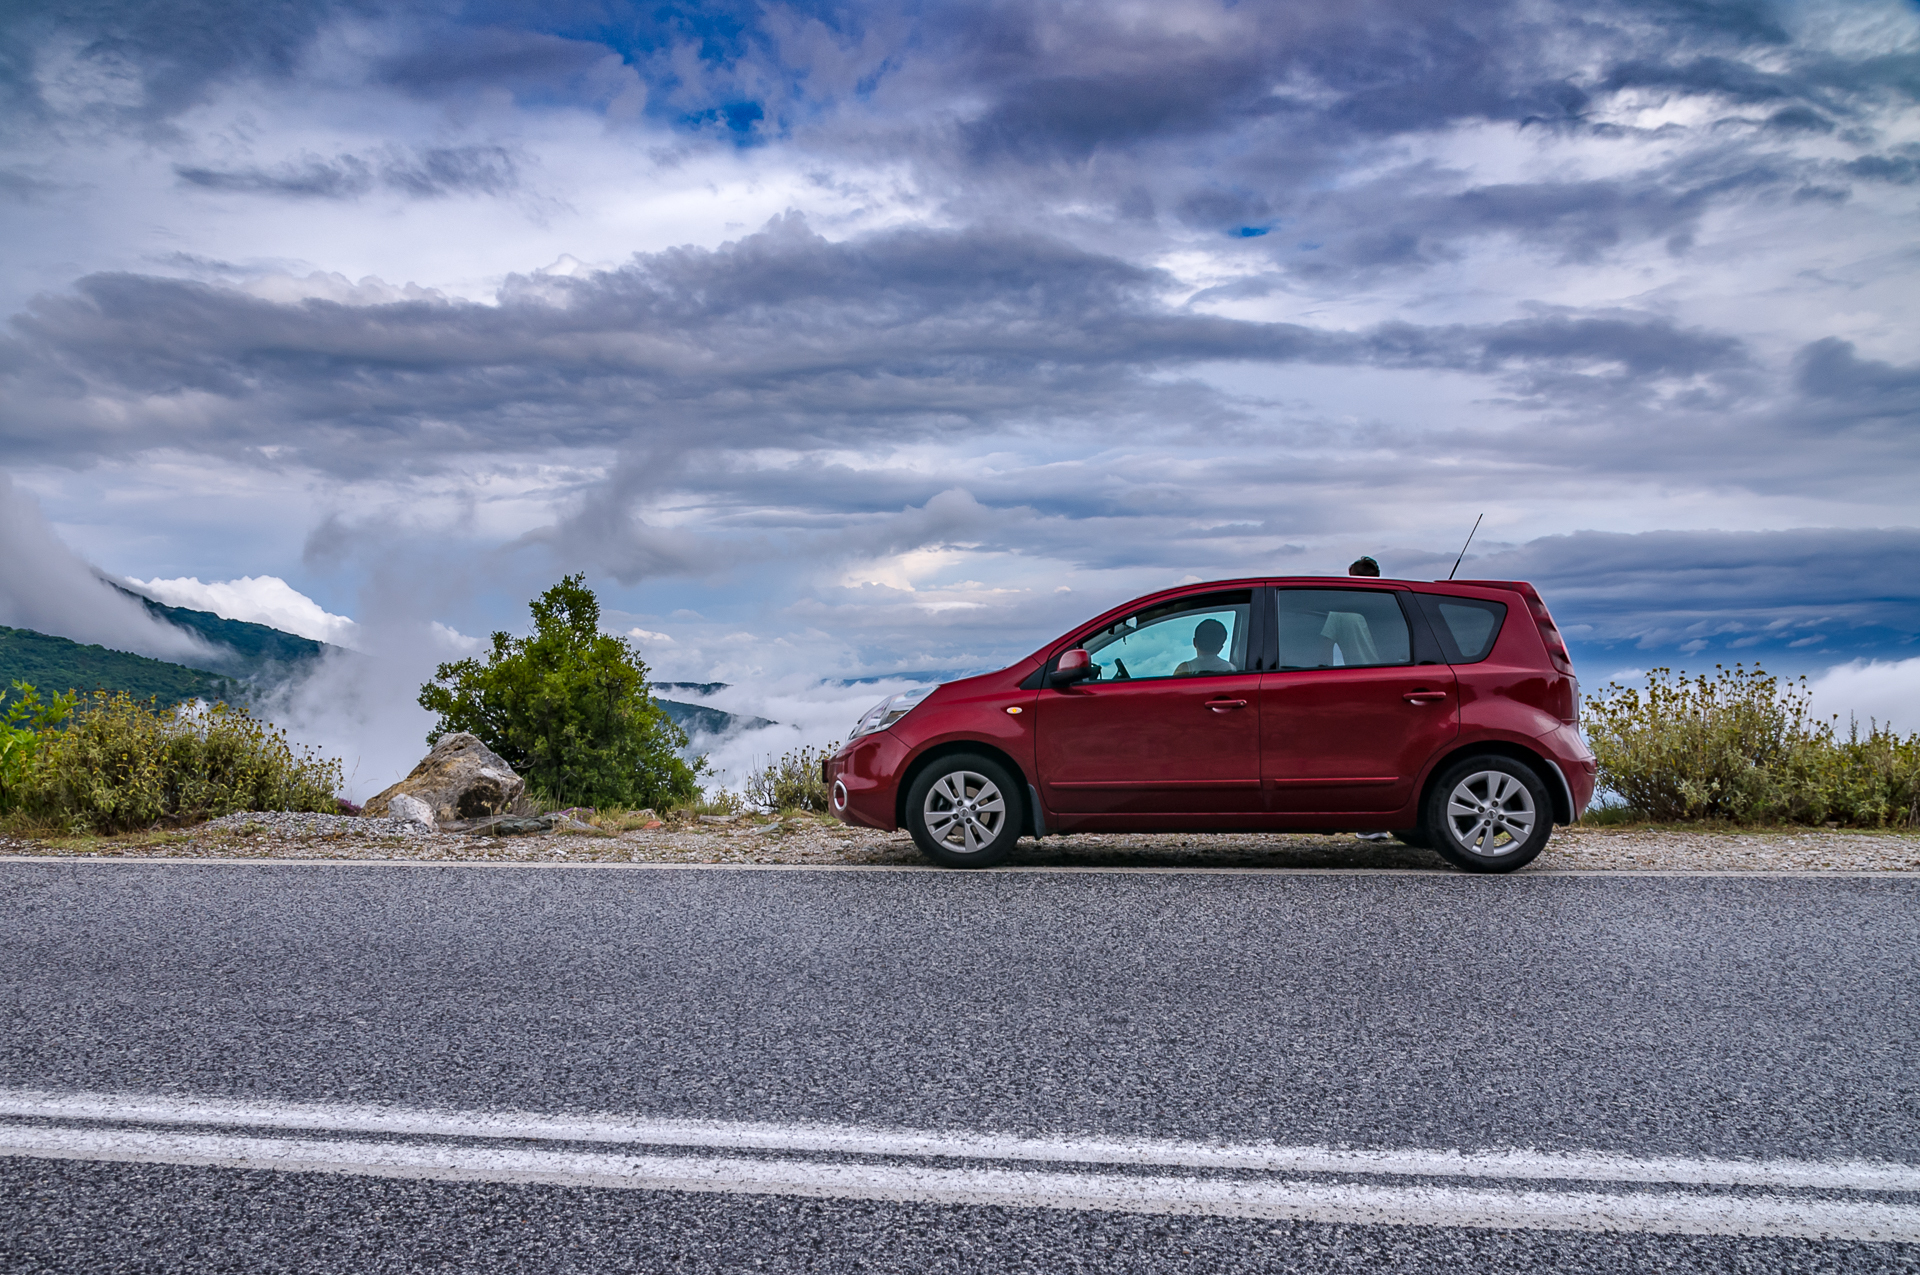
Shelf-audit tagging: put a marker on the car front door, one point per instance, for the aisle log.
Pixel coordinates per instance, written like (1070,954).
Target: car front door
(1348,717)
(1172,723)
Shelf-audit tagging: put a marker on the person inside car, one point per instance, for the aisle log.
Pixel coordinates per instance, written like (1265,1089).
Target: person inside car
(1208,637)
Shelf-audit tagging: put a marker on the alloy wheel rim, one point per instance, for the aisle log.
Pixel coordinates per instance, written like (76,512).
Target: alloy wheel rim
(1490,813)
(964,811)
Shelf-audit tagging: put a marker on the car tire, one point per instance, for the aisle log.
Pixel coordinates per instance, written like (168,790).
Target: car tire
(1489,814)
(965,811)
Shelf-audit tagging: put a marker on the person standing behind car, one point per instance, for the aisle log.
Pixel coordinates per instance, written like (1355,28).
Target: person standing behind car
(1347,630)
(1366,566)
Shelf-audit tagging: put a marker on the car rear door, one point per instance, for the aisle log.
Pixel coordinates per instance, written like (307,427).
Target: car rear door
(1154,734)
(1351,714)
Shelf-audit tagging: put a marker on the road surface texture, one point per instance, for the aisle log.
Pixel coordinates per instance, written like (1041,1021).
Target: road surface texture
(365,1067)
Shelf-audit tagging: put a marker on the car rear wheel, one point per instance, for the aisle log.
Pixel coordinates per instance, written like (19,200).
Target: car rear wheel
(964,812)
(1489,814)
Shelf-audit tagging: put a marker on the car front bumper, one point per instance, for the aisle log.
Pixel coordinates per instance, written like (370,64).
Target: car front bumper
(863,781)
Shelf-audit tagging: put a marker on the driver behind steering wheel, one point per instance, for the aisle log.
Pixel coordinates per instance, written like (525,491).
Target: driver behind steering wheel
(1208,637)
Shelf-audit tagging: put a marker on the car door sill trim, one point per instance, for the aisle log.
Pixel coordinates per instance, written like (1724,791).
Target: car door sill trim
(1364,782)
(1156,785)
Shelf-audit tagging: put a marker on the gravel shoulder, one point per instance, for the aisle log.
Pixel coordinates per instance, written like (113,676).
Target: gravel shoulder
(819,841)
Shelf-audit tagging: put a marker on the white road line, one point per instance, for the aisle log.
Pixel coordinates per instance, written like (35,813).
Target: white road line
(1344,1203)
(800,1138)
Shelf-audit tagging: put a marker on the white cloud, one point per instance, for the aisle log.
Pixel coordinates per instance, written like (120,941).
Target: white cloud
(454,640)
(267,600)
(1887,691)
(46,587)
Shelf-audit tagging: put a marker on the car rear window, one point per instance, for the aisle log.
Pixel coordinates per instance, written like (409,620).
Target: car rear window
(1466,627)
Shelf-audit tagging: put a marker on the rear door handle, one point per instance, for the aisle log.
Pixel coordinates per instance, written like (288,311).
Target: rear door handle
(1423,697)
(1225,705)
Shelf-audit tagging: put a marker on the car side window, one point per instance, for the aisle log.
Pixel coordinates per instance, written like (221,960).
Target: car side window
(1466,627)
(1188,637)
(1341,628)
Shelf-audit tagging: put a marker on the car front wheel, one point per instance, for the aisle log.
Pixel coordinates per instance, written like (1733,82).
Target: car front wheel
(964,812)
(1489,814)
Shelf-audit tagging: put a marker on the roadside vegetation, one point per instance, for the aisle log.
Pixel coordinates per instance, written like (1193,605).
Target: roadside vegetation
(1742,746)
(792,781)
(110,763)
(568,708)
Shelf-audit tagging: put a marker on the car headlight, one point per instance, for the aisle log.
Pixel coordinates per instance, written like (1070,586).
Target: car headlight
(890,710)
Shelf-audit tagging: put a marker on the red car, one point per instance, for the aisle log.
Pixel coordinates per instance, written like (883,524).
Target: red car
(1446,712)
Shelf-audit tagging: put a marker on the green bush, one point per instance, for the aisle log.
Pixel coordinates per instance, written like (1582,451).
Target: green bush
(1742,746)
(26,719)
(793,782)
(568,709)
(119,764)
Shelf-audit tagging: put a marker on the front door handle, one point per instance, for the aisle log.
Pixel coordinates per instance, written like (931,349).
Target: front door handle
(1423,697)
(1225,705)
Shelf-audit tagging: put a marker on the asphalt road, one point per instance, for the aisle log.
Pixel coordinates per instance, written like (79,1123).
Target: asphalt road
(1685,1019)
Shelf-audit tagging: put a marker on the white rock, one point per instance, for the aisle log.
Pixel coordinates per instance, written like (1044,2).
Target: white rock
(412,810)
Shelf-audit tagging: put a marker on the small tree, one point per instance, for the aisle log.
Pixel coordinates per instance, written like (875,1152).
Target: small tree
(568,709)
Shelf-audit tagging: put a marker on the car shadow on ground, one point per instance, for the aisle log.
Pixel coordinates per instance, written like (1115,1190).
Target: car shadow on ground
(1222,850)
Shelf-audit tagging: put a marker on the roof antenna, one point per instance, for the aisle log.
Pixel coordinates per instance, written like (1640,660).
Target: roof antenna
(1463,548)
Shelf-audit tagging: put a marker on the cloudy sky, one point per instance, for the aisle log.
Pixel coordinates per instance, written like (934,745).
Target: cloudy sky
(841,339)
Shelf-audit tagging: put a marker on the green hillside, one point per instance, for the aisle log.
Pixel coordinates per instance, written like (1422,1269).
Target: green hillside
(698,719)
(54,664)
(252,644)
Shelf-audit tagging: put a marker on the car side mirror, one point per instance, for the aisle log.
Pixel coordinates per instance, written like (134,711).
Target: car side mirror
(1074,666)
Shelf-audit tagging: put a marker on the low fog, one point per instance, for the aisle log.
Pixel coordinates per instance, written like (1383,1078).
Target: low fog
(44,586)
(806,711)
(362,708)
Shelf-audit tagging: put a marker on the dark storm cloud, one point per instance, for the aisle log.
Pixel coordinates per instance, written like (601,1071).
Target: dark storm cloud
(1901,169)
(1230,118)
(343,177)
(1419,216)
(453,58)
(781,339)
(1851,388)
(137,63)
(1724,593)
(1576,220)
(22,187)
(423,173)
(1024,81)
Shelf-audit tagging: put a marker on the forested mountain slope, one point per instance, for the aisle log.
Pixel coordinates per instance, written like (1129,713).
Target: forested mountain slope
(54,664)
